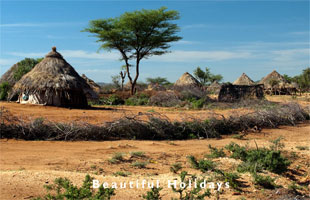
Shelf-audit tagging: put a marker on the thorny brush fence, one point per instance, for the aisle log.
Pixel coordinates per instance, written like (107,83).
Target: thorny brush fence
(156,127)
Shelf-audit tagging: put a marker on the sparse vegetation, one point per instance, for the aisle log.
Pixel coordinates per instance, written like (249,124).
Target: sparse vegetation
(139,165)
(138,154)
(153,194)
(302,148)
(264,181)
(64,189)
(121,173)
(216,153)
(117,158)
(202,165)
(176,167)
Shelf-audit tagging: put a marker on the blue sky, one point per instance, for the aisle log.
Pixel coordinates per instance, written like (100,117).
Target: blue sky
(229,37)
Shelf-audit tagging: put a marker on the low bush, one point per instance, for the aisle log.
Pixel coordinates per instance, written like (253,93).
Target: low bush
(176,167)
(139,165)
(64,189)
(259,159)
(116,158)
(121,173)
(216,153)
(264,181)
(164,99)
(137,100)
(112,100)
(137,154)
(153,194)
(4,90)
(202,165)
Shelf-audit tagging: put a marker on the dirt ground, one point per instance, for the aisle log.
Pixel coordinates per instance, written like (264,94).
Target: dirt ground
(28,165)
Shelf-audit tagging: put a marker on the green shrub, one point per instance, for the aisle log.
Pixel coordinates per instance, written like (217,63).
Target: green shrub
(121,173)
(112,100)
(137,100)
(176,167)
(139,165)
(153,194)
(216,153)
(202,165)
(64,189)
(294,188)
(4,90)
(194,193)
(232,179)
(137,154)
(117,158)
(259,159)
(264,181)
(197,104)
(24,67)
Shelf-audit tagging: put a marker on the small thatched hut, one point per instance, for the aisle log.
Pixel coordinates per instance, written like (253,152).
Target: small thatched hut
(275,83)
(214,88)
(187,80)
(94,86)
(243,80)
(52,82)
(189,86)
(8,76)
(231,93)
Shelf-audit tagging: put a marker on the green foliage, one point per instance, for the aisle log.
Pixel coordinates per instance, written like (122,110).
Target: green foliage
(137,154)
(216,153)
(277,144)
(232,179)
(63,189)
(153,194)
(206,77)
(264,181)
(137,35)
(139,165)
(293,187)
(158,80)
(197,104)
(137,100)
(121,173)
(194,193)
(176,167)
(4,90)
(24,67)
(259,159)
(303,80)
(202,165)
(112,100)
(116,158)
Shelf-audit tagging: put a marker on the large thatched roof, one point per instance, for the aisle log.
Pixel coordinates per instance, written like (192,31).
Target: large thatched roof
(274,75)
(187,80)
(215,84)
(9,75)
(243,80)
(52,73)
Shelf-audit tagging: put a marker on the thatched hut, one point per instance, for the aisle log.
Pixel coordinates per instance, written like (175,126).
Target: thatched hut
(94,86)
(214,88)
(52,82)
(243,80)
(275,83)
(232,93)
(8,76)
(187,80)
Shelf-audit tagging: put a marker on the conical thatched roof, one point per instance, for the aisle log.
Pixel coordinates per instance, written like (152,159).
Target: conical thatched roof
(91,83)
(274,75)
(244,80)
(9,75)
(53,73)
(215,84)
(187,80)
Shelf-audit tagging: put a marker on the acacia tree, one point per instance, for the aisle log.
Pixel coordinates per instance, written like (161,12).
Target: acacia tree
(137,35)
(206,76)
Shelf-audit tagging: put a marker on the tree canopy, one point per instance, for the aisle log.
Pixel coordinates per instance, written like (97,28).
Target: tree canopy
(24,66)
(158,80)
(206,77)
(137,35)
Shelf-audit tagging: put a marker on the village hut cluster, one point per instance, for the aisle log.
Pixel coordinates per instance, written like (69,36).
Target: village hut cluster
(55,82)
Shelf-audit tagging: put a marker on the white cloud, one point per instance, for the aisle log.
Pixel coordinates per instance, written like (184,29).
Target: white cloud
(73,54)
(190,56)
